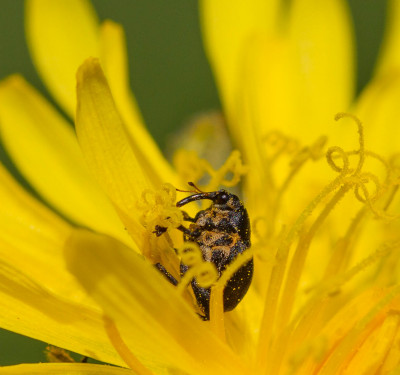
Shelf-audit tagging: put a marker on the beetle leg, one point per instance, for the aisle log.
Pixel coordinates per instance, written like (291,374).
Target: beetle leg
(158,230)
(186,217)
(166,274)
(204,318)
(185,230)
(191,234)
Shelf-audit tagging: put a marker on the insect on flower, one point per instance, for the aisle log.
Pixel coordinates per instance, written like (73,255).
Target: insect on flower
(222,232)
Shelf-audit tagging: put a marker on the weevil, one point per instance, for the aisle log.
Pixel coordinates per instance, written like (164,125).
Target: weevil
(222,232)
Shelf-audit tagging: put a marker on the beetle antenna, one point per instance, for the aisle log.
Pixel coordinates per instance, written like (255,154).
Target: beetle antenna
(196,189)
(185,191)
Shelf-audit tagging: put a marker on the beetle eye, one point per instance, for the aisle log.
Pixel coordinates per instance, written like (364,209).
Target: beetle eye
(222,198)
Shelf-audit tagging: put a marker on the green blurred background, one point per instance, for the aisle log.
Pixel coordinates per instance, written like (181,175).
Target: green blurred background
(169,75)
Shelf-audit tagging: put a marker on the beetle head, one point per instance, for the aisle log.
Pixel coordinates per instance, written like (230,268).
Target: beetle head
(221,199)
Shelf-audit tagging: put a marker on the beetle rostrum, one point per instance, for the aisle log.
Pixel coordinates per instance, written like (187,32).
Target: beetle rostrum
(222,232)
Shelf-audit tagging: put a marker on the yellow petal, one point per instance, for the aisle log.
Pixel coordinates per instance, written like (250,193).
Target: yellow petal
(276,78)
(291,84)
(154,320)
(227,27)
(63,369)
(115,64)
(379,109)
(345,337)
(322,39)
(39,298)
(44,147)
(304,75)
(30,309)
(369,357)
(32,238)
(24,221)
(108,148)
(389,59)
(285,76)
(61,35)
(392,358)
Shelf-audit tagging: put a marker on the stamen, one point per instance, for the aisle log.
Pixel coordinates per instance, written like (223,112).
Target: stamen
(189,166)
(233,267)
(278,143)
(295,271)
(259,228)
(316,150)
(313,152)
(192,168)
(371,154)
(264,353)
(185,280)
(360,137)
(205,272)
(380,253)
(158,216)
(300,255)
(359,180)
(190,254)
(217,321)
(122,349)
(232,165)
(337,152)
(343,251)
(272,297)
(307,321)
(394,191)
(360,184)
(158,208)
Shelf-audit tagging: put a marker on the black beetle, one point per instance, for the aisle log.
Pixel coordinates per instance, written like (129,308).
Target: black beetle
(222,232)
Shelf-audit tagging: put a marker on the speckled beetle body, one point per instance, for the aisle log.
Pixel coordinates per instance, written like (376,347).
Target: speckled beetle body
(222,232)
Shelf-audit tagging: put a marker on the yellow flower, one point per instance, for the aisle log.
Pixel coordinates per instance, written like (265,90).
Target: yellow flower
(323,203)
